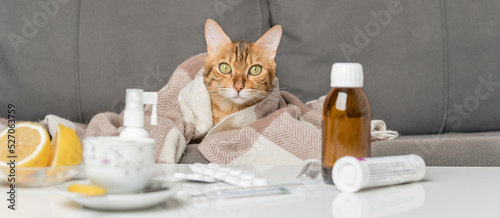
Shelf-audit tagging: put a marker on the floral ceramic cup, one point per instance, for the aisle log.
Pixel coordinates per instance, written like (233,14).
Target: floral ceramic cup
(119,165)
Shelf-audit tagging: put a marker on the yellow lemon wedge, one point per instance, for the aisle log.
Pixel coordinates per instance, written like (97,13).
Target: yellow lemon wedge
(66,148)
(66,151)
(32,145)
(88,190)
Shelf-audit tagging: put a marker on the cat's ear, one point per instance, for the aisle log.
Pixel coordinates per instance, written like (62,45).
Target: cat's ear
(215,36)
(270,41)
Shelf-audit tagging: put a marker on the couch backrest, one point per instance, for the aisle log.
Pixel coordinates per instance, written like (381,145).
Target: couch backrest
(76,58)
(430,66)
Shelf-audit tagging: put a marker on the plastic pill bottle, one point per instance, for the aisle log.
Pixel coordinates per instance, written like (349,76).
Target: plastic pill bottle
(346,118)
(353,174)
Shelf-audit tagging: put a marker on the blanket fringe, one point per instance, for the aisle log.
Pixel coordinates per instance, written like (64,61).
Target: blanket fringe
(379,131)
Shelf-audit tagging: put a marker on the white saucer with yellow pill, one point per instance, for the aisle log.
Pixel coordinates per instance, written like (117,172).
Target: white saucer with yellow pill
(155,193)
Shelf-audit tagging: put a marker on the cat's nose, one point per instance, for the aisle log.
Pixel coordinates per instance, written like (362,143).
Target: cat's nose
(238,88)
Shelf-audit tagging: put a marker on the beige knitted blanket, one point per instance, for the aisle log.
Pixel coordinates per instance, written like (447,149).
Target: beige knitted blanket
(278,130)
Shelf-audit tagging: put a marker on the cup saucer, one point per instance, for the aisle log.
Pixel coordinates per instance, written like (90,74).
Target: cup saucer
(155,193)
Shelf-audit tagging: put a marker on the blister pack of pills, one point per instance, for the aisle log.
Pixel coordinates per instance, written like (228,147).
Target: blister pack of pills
(195,177)
(215,172)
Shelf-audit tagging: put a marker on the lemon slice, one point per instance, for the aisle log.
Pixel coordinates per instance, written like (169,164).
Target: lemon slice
(88,190)
(32,149)
(66,148)
(32,145)
(66,151)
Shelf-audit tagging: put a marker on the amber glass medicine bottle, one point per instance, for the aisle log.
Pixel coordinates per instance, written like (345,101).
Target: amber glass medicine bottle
(346,118)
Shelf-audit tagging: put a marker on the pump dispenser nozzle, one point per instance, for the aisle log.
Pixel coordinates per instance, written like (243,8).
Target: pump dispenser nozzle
(133,117)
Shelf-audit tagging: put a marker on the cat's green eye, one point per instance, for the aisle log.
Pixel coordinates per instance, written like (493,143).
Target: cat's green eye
(225,68)
(255,70)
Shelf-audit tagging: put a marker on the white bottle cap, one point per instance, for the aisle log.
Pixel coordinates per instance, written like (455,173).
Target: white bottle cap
(348,174)
(346,75)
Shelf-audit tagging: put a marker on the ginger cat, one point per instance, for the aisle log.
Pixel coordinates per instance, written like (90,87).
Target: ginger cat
(238,74)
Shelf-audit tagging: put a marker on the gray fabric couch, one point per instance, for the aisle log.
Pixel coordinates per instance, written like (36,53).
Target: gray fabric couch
(432,68)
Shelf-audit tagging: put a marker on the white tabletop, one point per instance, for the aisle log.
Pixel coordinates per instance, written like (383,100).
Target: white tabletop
(444,192)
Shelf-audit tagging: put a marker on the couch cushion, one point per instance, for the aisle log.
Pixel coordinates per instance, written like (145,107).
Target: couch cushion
(138,44)
(473,33)
(38,61)
(403,57)
(450,149)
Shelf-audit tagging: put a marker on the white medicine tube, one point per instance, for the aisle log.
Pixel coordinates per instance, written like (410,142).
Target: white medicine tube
(351,174)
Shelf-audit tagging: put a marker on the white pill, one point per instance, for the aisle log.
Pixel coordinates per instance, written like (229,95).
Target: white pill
(224,169)
(232,179)
(247,176)
(235,172)
(208,179)
(245,183)
(260,182)
(180,175)
(197,167)
(213,166)
(195,176)
(209,171)
(221,175)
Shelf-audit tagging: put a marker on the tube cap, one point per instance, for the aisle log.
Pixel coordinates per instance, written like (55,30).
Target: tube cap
(348,174)
(346,75)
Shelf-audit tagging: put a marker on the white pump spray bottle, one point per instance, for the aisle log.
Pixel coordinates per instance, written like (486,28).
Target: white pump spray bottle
(133,117)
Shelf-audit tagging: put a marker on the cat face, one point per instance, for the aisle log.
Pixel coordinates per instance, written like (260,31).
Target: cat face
(239,73)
